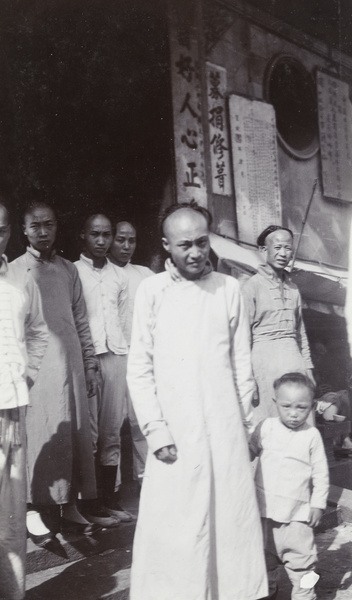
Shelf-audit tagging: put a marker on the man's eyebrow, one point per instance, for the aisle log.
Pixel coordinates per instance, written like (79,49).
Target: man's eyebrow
(188,241)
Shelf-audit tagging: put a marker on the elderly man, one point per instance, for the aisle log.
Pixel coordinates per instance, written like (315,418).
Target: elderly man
(198,535)
(273,302)
(105,291)
(121,253)
(23,340)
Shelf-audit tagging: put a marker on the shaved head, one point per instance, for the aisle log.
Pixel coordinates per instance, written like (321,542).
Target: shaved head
(186,238)
(123,224)
(181,219)
(88,222)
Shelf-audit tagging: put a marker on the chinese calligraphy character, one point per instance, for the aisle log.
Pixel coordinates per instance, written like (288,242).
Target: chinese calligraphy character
(191,133)
(217,119)
(191,175)
(186,104)
(218,144)
(214,85)
(185,68)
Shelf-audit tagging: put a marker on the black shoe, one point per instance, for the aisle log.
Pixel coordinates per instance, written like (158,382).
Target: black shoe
(79,528)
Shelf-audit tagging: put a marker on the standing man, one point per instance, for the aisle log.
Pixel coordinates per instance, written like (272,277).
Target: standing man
(23,340)
(279,341)
(60,462)
(121,252)
(198,535)
(106,295)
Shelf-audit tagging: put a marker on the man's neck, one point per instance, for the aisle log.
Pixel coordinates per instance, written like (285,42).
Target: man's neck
(117,262)
(98,263)
(278,274)
(3,263)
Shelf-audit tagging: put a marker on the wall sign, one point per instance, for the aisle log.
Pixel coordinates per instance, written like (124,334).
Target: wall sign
(255,166)
(218,134)
(335,130)
(186,101)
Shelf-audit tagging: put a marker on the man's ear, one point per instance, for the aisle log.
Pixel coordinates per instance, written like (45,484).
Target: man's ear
(262,249)
(165,244)
(24,229)
(82,235)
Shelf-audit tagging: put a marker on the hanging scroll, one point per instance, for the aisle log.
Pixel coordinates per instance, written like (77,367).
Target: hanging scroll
(255,166)
(335,131)
(218,134)
(186,102)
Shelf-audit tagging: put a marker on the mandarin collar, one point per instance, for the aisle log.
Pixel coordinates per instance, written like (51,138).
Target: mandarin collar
(175,275)
(3,264)
(269,273)
(89,262)
(37,254)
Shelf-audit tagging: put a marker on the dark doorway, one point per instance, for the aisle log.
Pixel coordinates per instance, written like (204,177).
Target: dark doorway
(85,112)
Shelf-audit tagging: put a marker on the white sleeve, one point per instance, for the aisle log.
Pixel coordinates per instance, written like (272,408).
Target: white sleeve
(241,359)
(320,473)
(140,373)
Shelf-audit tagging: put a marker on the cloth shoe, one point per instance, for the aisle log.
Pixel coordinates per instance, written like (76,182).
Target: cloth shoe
(119,513)
(102,518)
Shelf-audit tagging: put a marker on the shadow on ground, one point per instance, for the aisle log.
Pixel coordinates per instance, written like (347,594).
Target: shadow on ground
(104,576)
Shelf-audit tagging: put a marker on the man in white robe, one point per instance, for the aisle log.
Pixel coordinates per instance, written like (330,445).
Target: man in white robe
(198,535)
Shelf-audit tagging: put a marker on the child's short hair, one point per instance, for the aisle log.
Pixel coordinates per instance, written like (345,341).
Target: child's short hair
(297,378)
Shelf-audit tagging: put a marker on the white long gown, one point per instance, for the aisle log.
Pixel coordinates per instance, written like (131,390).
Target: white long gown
(198,535)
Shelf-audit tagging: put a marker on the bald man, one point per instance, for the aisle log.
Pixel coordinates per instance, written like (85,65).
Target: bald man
(106,295)
(121,253)
(198,533)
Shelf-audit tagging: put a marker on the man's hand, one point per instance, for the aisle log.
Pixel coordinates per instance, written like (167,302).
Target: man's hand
(314,516)
(91,381)
(168,454)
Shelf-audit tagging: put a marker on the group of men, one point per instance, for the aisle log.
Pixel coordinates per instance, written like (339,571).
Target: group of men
(67,329)
(194,341)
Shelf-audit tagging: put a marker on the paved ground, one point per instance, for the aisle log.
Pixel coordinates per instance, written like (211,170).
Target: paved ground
(99,568)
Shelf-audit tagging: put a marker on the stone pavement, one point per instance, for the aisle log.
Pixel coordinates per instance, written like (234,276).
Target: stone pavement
(99,568)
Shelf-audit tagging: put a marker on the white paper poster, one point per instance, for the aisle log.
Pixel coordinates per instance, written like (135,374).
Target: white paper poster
(335,131)
(255,166)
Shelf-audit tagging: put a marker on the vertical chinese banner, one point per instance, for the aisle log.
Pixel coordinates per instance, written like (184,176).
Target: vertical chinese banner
(335,132)
(255,166)
(218,134)
(186,102)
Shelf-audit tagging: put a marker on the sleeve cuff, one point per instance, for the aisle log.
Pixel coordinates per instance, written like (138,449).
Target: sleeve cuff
(157,435)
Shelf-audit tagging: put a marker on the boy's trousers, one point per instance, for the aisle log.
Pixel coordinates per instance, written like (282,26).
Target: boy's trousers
(291,544)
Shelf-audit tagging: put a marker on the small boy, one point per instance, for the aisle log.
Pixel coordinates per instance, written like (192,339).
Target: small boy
(292,481)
